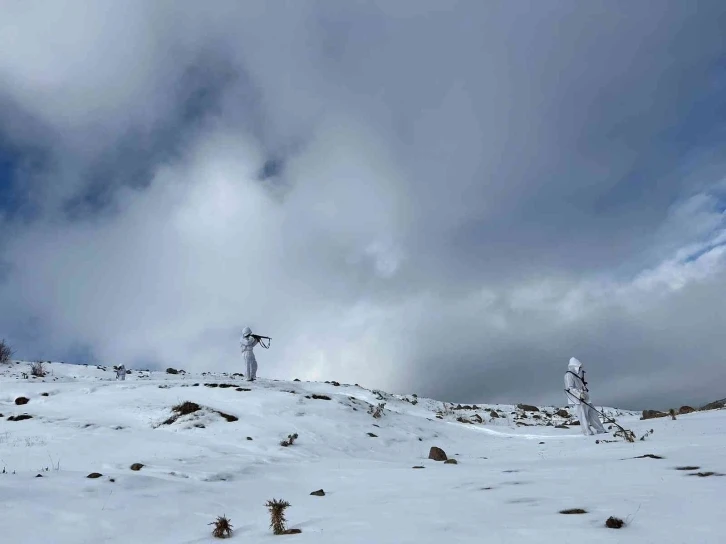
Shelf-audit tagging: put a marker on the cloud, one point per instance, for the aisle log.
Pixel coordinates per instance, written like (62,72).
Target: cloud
(442,197)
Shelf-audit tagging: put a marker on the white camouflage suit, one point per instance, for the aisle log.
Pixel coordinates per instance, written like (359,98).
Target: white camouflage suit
(576,393)
(248,342)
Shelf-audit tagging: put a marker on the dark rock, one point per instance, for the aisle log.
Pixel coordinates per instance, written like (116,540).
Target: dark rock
(372,435)
(172,371)
(437,454)
(321,397)
(686,410)
(296,380)
(335,384)
(318,493)
(461,419)
(573,511)
(225,385)
(493,414)
(249,438)
(242,389)
(94,475)
(573,423)
(477,418)
(563,413)
(21,417)
(561,427)
(527,408)
(418,466)
(652,414)
(38,475)
(44,394)
(614,523)
(230,418)
(136,466)
(292,532)
(451,462)
(22,400)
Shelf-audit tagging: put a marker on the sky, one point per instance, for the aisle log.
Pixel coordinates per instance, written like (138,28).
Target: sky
(422,196)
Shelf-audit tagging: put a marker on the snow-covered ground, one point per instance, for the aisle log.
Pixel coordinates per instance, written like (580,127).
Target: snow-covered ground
(515,472)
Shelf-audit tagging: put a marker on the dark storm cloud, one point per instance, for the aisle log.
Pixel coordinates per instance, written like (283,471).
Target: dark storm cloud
(447,197)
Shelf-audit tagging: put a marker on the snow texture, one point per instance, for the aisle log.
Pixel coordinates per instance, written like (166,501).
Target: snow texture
(515,473)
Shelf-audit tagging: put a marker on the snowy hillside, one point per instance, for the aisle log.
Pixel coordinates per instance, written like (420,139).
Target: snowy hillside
(220,454)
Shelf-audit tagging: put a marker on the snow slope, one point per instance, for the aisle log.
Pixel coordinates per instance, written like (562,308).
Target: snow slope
(514,473)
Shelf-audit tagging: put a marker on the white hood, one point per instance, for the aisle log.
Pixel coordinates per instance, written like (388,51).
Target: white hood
(575,365)
(246,331)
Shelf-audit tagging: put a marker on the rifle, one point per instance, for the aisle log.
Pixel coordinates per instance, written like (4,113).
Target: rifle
(261,339)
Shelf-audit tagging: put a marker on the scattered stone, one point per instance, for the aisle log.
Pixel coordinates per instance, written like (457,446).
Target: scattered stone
(527,408)
(94,475)
(22,400)
(211,385)
(242,389)
(563,413)
(437,454)
(687,468)
(321,397)
(493,414)
(44,394)
(225,385)
(614,523)
(573,511)
(451,462)
(706,474)
(561,427)
(574,423)
(137,466)
(477,418)
(686,410)
(372,435)
(461,419)
(652,414)
(296,380)
(419,466)
(38,475)
(335,384)
(292,532)
(172,371)
(541,442)
(249,438)
(648,456)
(318,493)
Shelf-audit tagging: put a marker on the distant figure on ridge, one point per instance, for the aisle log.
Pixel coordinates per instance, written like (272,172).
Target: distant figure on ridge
(247,343)
(578,396)
(121,373)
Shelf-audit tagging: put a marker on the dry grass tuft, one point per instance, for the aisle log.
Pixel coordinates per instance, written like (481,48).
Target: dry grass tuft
(37,369)
(277,515)
(5,352)
(222,527)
